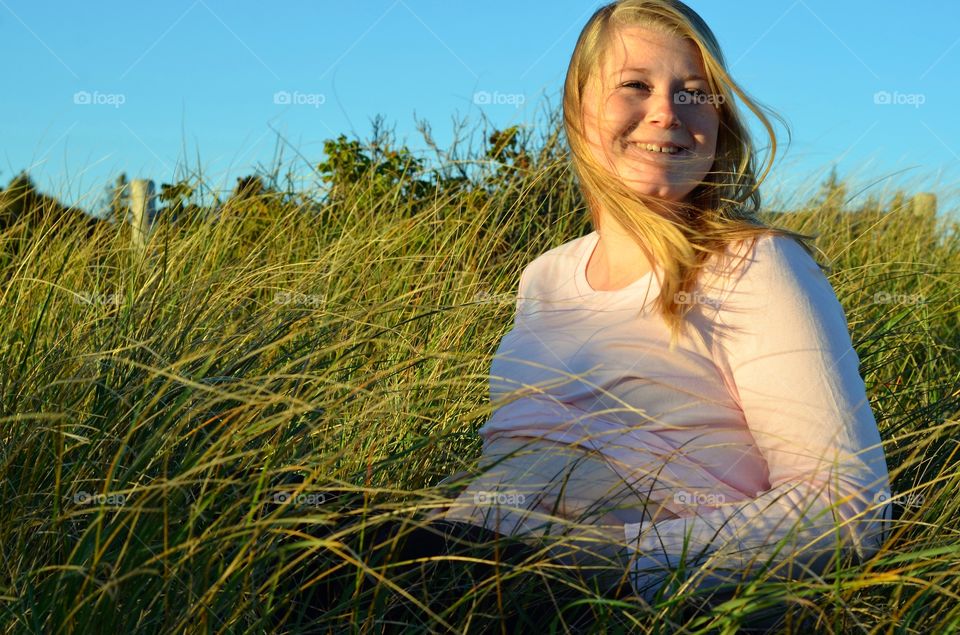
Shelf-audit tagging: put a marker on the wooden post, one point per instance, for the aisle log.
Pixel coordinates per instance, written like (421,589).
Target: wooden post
(142,201)
(924,205)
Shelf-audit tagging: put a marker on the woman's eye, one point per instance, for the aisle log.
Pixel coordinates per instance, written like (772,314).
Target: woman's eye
(694,92)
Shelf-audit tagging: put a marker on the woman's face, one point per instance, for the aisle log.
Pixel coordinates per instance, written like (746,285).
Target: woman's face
(653,90)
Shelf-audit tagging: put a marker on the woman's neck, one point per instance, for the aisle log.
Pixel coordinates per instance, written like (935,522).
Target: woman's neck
(617,259)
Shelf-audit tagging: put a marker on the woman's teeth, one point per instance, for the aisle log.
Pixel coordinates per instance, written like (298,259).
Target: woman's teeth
(655,148)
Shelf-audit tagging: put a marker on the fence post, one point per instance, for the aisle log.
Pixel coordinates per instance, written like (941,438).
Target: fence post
(924,205)
(142,201)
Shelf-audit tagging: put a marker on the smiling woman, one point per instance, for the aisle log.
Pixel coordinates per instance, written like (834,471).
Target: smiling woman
(679,389)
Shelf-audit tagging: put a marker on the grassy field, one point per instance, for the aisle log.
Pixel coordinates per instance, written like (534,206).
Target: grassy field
(158,407)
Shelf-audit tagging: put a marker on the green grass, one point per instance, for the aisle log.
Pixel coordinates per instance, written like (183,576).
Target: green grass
(295,345)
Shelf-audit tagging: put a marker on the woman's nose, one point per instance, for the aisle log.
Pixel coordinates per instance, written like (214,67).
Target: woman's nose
(662,111)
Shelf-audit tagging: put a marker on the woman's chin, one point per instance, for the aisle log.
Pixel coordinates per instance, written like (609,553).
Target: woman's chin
(666,196)
(667,191)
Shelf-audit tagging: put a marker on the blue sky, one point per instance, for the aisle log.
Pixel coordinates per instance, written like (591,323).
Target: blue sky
(151,89)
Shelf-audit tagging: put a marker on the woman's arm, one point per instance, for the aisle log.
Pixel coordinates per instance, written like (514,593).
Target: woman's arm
(793,369)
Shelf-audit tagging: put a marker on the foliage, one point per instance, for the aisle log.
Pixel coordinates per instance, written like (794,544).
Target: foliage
(156,407)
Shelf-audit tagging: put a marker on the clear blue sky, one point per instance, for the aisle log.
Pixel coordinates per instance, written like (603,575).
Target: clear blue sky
(198,78)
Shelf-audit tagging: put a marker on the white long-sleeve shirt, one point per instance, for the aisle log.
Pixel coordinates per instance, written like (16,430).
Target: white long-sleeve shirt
(755,430)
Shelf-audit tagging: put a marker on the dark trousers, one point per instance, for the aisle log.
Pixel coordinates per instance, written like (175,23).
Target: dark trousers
(399,575)
(468,572)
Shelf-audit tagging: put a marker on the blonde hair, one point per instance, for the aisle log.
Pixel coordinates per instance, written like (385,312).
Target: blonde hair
(723,207)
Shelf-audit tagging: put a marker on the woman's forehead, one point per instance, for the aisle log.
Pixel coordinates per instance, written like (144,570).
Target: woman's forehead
(643,50)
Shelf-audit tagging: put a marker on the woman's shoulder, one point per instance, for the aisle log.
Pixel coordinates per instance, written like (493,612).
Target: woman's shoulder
(764,257)
(770,275)
(557,263)
(564,251)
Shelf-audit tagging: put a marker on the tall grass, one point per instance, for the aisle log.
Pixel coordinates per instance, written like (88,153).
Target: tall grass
(155,406)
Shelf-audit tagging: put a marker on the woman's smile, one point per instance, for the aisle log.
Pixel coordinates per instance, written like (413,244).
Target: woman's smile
(658,153)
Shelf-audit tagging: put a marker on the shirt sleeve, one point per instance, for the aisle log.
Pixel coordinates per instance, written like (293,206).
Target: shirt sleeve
(784,344)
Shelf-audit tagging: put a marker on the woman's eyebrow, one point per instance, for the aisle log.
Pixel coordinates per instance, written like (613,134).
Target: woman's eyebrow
(647,71)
